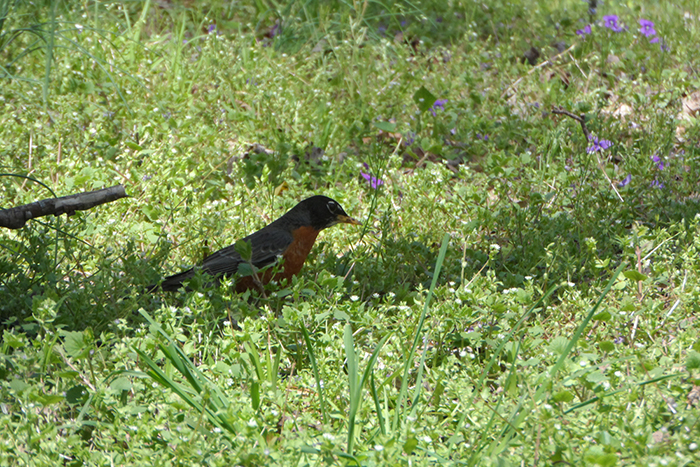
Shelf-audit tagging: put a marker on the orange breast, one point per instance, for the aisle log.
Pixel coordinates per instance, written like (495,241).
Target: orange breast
(294,257)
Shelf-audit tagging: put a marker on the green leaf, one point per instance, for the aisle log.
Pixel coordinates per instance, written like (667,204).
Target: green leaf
(18,385)
(340,315)
(606,346)
(563,396)
(245,249)
(78,394)
(16,341)
(634,275)
(151,213)
(121,384)
(75,344)
(255,395)
(605,460)
(692,361)
(48,399)
(424,99)
(558,344)
(284,292)
(602,316)
(596,377)
(410,445)
(385,126)
(245,269)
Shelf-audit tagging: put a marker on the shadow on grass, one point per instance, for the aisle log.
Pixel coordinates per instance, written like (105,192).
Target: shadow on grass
(76,286)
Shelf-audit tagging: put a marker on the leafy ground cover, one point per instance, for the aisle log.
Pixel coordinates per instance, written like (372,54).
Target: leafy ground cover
(524,290)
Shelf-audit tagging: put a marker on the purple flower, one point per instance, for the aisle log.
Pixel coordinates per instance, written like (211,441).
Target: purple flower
(439,104)
(654,40)
(409,138)
(585,31)
(482,137)
(275,30)
(212,28)
(657,160)
(598,145)
(374,182)
(625,182)
(647,27)
(657,184)
(612,22)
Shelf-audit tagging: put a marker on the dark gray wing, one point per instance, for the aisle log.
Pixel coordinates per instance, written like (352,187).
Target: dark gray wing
(267,244)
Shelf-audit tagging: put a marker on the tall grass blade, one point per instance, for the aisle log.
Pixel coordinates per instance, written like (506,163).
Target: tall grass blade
(409,361)
(211,401)
(584,324)
(317,376)
(377,405)
(49,52)
(355,382)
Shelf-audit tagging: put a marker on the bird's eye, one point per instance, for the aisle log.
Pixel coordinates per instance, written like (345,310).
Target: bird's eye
(332,207)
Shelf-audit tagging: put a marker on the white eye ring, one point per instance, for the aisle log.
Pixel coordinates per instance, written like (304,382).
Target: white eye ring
(332,205)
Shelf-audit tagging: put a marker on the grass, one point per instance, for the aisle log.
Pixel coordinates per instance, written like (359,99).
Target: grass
(512,299)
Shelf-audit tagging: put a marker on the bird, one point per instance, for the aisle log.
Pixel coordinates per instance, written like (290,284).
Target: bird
(290,237)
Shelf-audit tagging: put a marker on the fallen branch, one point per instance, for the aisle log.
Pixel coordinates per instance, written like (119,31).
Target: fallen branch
(579,118)
(15,218)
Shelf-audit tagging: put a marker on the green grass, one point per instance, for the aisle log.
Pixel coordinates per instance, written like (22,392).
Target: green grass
(509,300)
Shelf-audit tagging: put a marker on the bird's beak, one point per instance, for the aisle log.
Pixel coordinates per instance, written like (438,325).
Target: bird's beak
(348,220)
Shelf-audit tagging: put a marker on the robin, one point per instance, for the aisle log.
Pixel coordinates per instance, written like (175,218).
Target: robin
(291,237)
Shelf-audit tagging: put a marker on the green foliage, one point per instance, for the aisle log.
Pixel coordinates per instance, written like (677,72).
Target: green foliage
(512,296)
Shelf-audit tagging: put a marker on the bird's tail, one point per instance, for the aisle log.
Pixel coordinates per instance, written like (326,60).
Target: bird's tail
(172,283)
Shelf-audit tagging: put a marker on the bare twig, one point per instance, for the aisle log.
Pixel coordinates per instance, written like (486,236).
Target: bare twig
(15,218)
(582,120)
(579,118)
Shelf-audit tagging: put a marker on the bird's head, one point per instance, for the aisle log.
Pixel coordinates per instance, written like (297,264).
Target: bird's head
(325,212)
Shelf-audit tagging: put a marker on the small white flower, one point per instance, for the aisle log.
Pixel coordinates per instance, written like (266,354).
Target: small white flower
(378,447)
(354,298)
